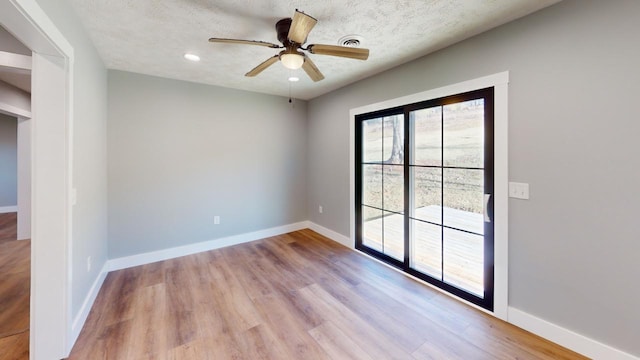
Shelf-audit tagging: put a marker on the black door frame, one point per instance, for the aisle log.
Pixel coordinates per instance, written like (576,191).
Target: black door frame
(487,301)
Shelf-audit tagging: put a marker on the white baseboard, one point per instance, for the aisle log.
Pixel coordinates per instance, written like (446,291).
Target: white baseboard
(87,304)
(337,237)
(165,254)
(567,338)
(8,209)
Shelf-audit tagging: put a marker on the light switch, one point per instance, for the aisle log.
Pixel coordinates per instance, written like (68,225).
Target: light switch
(519,190)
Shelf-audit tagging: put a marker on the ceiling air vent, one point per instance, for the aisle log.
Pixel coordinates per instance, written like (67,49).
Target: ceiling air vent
(350,41)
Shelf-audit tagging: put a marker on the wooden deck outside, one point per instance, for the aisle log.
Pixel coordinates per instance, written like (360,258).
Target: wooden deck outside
(463,252)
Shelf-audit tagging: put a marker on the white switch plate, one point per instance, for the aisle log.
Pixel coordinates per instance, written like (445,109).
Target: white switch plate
(519,190)
(216,220)
(320,209)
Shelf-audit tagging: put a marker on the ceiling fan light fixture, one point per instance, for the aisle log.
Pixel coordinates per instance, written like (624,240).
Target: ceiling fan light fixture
(292,61)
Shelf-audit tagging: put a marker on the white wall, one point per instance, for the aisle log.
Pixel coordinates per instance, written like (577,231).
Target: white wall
(8,161)
(89,218)
(574,81)
(181,153)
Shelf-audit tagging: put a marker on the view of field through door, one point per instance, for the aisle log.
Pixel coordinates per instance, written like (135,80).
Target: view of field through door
(424,185)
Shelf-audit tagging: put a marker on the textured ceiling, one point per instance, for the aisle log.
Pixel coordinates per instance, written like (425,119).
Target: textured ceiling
(151,36)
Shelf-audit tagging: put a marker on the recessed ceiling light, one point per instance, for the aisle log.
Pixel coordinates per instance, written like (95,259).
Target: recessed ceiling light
(294,78)
(192,57)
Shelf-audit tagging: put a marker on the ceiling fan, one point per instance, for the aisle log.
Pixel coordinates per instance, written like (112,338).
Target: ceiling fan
(292,33)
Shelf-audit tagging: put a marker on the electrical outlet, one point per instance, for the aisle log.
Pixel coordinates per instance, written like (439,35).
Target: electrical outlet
(88,263)
(216,220)
(519,190)
(320,209)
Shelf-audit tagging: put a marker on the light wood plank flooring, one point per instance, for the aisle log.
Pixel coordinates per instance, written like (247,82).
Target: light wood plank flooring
(15,277)
(15,347)
(8,227)
(294,296)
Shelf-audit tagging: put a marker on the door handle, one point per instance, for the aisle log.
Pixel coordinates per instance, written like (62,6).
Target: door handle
(487,197)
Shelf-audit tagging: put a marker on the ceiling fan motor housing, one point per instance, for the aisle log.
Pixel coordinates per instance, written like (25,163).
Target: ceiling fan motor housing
(282,28)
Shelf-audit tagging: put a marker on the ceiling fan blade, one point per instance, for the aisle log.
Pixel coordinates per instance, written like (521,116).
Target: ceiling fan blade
(246,42)
(310,68)
(258,69)
(342,51)
(300,27)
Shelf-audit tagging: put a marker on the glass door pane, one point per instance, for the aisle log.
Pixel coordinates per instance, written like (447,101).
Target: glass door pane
(426,186)
(426,248)
(393,235)
(372,185)
(372,141)
(393,186)
(463,194)
(463,134)
(426,136)
(463,260)
(447,187)
(425,191)
(382,185)
(372,228)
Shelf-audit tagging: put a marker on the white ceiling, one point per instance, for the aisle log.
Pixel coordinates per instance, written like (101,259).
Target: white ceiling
(150,36)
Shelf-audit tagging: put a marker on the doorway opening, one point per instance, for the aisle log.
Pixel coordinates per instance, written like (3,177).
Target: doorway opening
(15,196)
(52,79)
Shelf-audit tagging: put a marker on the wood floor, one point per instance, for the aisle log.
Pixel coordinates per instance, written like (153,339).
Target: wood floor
(294,296)
(15,277)
(8,227)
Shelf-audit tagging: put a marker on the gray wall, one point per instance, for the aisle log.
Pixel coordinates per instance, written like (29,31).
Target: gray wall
(181,153)
(89,232)
(573,117)
(8,160)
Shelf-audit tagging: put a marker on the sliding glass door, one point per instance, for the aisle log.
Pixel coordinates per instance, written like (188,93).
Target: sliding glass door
(424,178)
(383,185)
